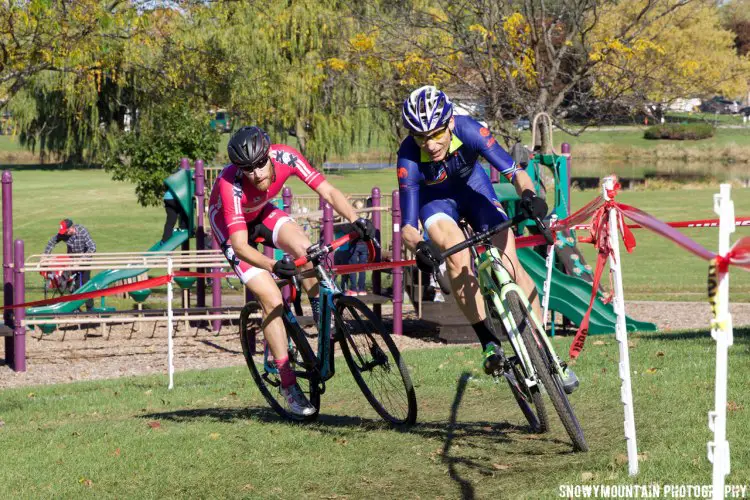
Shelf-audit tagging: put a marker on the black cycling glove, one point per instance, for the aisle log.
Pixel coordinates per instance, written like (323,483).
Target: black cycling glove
(365,228)
(284,269)
(428,256)
(533,206)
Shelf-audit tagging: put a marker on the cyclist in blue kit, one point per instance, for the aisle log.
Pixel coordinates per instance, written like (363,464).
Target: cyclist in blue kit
(440,181)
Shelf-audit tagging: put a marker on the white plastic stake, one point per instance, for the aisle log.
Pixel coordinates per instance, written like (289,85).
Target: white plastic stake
(550,261)
(170,326)
(618,300)
(721,331)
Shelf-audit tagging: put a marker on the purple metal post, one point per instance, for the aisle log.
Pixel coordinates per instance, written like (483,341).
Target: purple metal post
(398,293)
(200,233)
(376,275)
(8,255)
(216,288)
(185,247)
(327,224)
(286,197)
(19,332)
(494,175)
(565,149)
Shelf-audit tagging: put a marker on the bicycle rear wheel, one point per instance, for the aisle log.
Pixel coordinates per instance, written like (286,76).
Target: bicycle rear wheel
(544,365)
(265,374)
(527,398)
(375,362)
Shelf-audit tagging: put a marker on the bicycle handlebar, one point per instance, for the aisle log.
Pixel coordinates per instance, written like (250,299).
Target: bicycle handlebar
(477,238)
(317,251)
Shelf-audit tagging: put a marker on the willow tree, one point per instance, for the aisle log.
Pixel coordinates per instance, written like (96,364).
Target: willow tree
(63,65)
(522,57)
(273,64)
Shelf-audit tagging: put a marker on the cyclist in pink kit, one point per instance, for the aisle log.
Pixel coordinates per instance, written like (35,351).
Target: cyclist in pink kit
(241,215)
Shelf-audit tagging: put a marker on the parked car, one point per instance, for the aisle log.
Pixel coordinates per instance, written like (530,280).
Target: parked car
(720,105)
(521,124)
(221,122)
(745,111)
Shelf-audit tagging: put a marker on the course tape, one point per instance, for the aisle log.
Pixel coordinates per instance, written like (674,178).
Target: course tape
(739,254)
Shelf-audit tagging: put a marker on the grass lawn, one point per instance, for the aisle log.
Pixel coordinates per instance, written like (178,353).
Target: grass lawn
(213,436)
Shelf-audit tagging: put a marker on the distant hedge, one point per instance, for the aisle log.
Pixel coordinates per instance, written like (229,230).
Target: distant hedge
(680,132)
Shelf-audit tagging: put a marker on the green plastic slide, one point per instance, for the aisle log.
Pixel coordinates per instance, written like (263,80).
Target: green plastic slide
(570,297)
(106,278)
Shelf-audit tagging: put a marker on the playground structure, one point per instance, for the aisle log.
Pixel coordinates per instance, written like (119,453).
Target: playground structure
(188,188)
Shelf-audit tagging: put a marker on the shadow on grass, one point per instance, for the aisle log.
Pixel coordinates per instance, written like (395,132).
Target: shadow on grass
(482,435)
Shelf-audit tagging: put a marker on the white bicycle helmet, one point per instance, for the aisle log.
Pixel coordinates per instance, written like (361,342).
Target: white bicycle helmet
(426,109)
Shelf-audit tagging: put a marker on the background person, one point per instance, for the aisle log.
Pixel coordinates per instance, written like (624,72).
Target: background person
(78,240)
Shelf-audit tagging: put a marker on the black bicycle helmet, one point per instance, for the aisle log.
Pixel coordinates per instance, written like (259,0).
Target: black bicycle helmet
(248,147)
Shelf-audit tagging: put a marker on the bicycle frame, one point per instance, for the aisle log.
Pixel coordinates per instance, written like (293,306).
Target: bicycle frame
(328,292)
(494,283)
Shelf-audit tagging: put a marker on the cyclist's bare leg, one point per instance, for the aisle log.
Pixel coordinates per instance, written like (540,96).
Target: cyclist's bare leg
(264,289)
(446,233)
(293,240)
(506,242)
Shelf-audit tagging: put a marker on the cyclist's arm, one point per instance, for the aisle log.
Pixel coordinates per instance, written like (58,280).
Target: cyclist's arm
(408,188)
(484,142)
(247,253)
(522,181)
(337,200)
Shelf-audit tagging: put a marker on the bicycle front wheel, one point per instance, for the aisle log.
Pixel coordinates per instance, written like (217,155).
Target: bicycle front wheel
(527,398)
(544,366)
(375,362)
(264,372)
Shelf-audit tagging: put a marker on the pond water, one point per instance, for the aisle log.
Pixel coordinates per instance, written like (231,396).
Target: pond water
(677,170)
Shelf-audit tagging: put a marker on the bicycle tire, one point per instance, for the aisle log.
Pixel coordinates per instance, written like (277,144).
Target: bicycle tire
(301,357)
(362,335)
(548,376)
(538,420)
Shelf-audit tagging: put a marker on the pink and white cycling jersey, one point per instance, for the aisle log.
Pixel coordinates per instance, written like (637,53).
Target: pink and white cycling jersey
(235,200)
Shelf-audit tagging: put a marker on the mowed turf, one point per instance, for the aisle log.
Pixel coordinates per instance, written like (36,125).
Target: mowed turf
(213,436)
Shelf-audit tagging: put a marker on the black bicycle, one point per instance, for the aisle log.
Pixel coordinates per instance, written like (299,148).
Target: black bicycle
(369,350)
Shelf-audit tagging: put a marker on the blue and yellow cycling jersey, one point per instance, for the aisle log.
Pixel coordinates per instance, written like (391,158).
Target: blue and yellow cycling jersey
(457,180)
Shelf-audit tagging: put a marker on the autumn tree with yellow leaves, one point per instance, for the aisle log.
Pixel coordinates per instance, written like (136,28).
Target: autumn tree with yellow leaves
(519,58)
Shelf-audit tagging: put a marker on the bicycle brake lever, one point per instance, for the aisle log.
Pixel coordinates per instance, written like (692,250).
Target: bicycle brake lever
(545,231)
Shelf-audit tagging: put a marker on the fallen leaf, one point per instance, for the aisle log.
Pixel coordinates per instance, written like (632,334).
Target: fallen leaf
(148,391)
(651,370)
(643,456)
(86,482)
(501,466)
(2,423)
(342,441)
(154,424)
(587,476)
(248,487)
(31,395)
(116,453)
(214,435)
(660,354)
(731,406)
(598,342)
(487,428)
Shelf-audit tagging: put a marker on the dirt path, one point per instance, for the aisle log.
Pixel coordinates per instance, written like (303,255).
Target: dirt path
(73,355)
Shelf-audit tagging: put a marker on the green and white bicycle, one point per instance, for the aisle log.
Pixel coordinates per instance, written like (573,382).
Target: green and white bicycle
(534,366)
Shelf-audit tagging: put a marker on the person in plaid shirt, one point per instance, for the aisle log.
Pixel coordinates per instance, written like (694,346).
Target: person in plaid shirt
(78,240)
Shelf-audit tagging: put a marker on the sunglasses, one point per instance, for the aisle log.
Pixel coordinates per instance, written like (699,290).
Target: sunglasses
(434,136)
(255,166)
